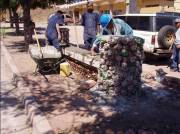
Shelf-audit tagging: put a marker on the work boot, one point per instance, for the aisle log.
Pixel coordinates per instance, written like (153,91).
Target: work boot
(173,69)
(85,47)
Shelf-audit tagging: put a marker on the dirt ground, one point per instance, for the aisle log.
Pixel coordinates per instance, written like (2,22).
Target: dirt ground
(70,109)
(41,15)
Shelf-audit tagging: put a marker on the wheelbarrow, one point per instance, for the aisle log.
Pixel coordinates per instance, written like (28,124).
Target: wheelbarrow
(48,58)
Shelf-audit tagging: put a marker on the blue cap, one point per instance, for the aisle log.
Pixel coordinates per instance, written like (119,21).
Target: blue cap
(89,3)
(105,19)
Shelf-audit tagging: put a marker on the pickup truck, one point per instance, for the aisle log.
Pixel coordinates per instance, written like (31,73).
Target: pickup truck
(156,29)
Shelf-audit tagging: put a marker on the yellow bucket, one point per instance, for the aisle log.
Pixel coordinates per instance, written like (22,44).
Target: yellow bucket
(65,69)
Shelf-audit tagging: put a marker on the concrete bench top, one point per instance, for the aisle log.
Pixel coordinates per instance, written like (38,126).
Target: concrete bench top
(83,56)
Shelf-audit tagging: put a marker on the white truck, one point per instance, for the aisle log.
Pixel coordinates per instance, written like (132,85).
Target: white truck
(156,29)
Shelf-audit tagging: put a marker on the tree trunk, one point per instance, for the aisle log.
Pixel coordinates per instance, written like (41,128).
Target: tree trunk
(27,20)
(16,20)
(10,17)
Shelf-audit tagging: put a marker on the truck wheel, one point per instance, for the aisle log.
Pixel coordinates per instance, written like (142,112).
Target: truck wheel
(166,36)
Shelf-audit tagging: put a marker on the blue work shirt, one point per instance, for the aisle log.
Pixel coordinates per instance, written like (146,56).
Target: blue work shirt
(90,22)
(51,31)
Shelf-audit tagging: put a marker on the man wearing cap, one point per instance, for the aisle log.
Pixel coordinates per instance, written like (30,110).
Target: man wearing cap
(52,32)
(176,47)
(112,26)
(90,21)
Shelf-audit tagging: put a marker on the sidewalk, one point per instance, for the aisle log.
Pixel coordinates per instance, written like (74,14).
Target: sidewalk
(13,118)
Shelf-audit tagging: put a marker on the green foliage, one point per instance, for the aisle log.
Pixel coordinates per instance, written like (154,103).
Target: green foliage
(4,4)
(43,3)
(13,3)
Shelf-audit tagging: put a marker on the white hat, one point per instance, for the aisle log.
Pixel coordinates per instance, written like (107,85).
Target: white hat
(89,2)
(177,19)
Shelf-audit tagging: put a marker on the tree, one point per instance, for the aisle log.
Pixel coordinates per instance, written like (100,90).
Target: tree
(10,17)
(27,5)
(12,6)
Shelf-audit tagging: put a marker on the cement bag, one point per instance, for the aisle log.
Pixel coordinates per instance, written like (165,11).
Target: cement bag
(45,52)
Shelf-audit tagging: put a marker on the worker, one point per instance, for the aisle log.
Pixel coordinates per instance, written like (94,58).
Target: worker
(176,48)
(90,21)
(52,32)
(111,26)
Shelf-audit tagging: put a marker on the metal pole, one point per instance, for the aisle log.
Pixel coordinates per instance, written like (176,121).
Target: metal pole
(127,6)
(74,20)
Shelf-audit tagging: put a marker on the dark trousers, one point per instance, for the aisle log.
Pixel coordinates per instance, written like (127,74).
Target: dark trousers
(175,57)
(88,41)
(54,42)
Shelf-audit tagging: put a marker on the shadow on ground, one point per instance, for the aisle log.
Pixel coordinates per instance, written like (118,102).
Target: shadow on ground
(157,110)
(173,83)
(40,30)
(54,94)
(9,97)
(9,27)
(21,33)
(155,60)
(20,46)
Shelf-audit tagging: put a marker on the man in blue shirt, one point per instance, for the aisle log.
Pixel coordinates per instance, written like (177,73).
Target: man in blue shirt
(90,21)
(176,48)
(111,26)
(52,32)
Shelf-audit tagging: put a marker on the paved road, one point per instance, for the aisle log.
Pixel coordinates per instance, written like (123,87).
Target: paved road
(13,119)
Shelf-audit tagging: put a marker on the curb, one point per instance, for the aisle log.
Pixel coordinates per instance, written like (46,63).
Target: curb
(35,117)
(85,58)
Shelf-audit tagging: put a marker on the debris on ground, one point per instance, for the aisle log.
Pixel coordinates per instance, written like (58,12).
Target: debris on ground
(87,84)
(160,75)
(147,76)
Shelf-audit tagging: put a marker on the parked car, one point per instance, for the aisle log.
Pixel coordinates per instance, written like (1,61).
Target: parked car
(157,30)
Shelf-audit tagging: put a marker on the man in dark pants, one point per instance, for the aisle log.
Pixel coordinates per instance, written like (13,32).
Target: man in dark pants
(90,21)
(52,32)
(176,48)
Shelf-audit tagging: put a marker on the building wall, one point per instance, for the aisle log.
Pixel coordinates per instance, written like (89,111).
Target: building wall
(120,6)
(177,5)
(103,7)
(117,7)
(144,6)
(152,6)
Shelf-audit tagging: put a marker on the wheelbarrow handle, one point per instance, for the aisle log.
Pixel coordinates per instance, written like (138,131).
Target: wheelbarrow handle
(37,40)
